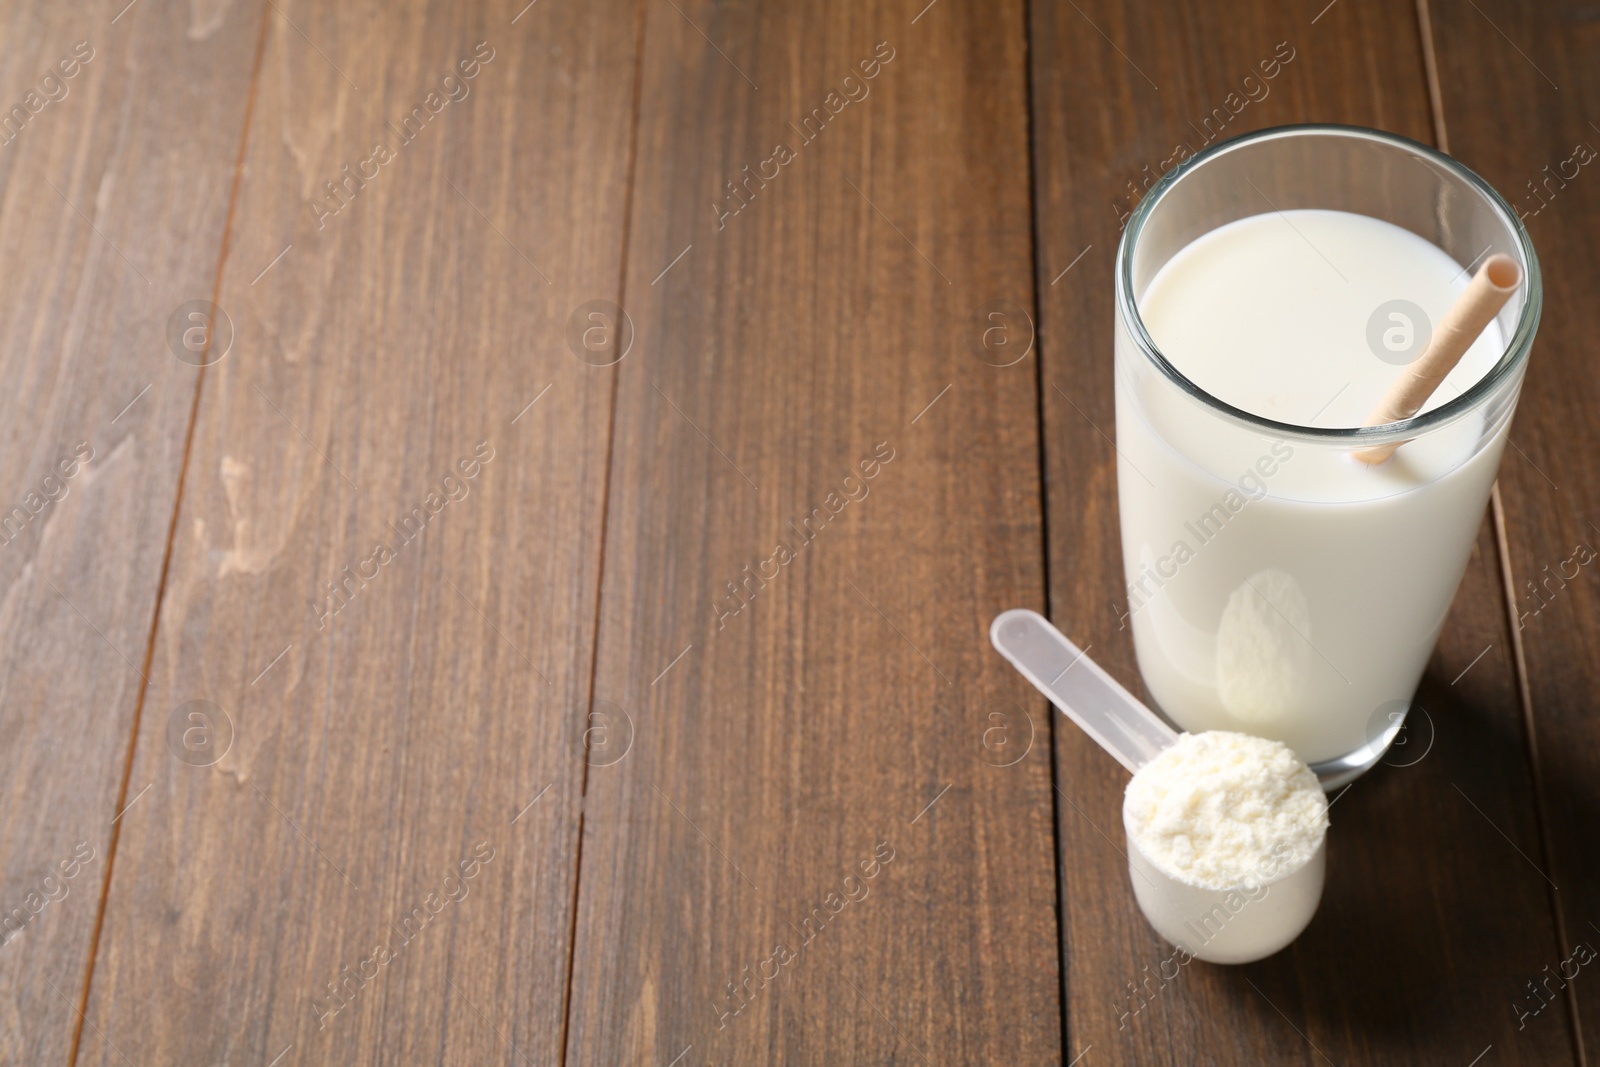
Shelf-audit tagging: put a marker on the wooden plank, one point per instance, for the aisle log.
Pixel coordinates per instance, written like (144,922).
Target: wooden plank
(827,709)
(1428,916)
(118,142)
(1513,80)
(380,869)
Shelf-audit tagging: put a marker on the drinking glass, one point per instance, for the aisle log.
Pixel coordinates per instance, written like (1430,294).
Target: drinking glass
(1357,589)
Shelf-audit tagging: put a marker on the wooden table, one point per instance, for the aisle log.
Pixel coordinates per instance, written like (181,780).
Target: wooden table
(426,661)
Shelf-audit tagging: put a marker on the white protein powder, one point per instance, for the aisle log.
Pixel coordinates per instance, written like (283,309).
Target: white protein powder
(1221,809)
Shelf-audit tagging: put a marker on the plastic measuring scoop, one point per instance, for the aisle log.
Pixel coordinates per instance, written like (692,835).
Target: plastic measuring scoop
(1232,924)
(1090,697)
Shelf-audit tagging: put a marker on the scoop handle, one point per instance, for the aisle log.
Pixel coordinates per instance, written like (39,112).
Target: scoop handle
(1090,697)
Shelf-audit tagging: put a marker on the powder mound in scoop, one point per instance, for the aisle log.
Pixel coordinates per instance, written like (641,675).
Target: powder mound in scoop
(1221,809)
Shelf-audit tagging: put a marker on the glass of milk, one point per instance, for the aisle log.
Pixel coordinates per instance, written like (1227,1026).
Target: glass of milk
(1268,291)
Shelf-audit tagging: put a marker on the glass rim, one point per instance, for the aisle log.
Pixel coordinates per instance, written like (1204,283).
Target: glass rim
(1511,360)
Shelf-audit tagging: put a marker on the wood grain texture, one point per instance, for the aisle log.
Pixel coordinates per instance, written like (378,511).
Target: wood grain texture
(828,710)
(1517,83)
(305,897)
(583,705)
(1429,916)
(118,142)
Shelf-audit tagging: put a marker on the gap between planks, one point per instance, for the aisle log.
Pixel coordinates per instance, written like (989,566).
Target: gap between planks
(641,21)
(172,530)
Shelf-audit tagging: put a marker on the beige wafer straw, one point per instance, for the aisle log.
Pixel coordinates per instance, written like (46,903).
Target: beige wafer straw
(1482,300)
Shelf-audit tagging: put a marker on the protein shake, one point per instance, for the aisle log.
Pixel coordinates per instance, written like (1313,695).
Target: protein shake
(1242,616)
(1276,585)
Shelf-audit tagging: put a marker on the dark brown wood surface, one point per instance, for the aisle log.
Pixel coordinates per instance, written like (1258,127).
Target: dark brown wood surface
(808,726)
(654,720)
(1526,73)
(425,718)
(116,176)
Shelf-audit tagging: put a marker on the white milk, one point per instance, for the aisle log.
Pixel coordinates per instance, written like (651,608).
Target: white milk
(1280,588)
